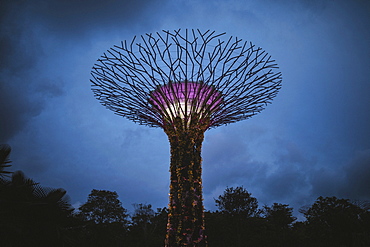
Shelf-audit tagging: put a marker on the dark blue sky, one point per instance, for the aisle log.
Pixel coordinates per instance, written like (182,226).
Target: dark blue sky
(314,139)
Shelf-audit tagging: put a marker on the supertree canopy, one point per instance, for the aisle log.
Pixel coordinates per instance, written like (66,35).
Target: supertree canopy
(185,82)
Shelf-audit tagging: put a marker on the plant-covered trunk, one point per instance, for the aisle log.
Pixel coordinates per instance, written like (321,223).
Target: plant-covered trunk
(186,217)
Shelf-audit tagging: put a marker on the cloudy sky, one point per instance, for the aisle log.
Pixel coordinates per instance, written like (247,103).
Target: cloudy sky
(313,140)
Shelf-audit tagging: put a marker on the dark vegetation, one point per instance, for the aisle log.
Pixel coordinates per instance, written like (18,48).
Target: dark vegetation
(32,215)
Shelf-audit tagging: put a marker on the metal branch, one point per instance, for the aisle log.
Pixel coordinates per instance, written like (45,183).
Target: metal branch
(244,75)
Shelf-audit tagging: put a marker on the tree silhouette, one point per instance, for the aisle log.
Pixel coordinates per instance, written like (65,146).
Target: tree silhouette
(279,215)
(106,219)
(32,215)
(237,202)
(279,218)
(148,227)
(238,218)
(103,206)
(335,222)
(4,159)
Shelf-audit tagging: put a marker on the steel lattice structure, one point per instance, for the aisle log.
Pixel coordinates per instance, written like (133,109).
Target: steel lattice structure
(185,82)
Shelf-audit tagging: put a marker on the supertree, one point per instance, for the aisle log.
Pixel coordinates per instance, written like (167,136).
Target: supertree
(185,82)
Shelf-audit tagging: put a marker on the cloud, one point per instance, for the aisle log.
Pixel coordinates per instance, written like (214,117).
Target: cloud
(271,167)
(31,34)
(358,177)
(77,17)
(22,89)
(347,179)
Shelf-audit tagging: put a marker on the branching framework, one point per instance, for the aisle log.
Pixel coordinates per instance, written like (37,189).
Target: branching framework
(126,75)
(185,82)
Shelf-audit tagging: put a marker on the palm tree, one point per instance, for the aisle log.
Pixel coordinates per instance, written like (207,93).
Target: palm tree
(4,159)
(32,215)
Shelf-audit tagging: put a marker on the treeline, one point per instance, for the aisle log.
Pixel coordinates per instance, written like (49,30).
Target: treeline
(32,215)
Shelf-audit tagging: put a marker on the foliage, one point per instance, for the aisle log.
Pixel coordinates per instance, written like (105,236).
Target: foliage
(148,227)
(32,215)
(238,211)
(102,207)
(334,222)
(105,220)
(278,225)
(279,215)
(237,202)
(4,159)
(143,215)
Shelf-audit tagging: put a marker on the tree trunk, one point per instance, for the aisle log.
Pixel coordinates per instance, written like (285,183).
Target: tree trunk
(186,217)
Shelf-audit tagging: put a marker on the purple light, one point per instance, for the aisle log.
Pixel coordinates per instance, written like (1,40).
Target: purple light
(183,98)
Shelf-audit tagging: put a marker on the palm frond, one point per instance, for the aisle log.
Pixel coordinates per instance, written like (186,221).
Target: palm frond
(5,150)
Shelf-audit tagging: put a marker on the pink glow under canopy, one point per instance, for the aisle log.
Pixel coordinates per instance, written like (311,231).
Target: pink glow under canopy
(180,99)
